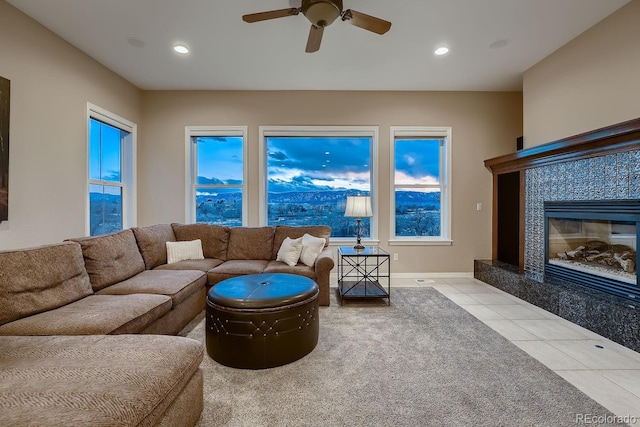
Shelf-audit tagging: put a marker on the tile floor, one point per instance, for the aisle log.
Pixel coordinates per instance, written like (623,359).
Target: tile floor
(606,371)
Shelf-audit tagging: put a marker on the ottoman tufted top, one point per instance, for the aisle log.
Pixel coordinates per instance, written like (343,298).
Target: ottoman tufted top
(265,290)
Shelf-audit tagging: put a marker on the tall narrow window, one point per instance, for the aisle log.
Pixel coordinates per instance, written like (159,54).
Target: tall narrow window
(311,171)
(217,184)
(111,146)
(420,184)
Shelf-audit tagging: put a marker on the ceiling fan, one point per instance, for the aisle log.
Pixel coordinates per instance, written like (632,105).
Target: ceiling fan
(321,13)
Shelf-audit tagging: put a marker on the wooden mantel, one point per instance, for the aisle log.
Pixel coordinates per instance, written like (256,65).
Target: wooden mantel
(623,136)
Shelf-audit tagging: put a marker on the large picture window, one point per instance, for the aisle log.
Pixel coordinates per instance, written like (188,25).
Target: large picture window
(311,171)
(421,175)
(111,148)
(216,192)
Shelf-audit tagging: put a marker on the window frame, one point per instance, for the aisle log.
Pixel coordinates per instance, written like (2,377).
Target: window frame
(191,166)
(128,162)
(435,132)
(323,131)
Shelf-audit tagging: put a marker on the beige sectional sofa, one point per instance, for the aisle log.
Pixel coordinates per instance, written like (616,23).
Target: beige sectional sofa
(68,312)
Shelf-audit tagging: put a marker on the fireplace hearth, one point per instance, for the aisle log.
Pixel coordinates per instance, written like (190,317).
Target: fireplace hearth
(594,244)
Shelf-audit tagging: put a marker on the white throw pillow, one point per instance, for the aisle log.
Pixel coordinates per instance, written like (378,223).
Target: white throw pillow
(311,248)
(180,251)
(289,251)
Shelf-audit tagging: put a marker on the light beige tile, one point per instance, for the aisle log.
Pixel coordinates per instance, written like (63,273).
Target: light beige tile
(461,299)
(604,391)
(549,329)
(471,288)
(548,355)
(517,312)
(593,357)
(628,379)
(446,289)
(492,298)
(481,312)
(510,330)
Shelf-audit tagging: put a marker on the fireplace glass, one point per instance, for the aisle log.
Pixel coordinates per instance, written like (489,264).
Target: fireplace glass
(600,247)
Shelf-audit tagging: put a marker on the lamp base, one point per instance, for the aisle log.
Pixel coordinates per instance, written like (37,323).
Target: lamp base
(358,247)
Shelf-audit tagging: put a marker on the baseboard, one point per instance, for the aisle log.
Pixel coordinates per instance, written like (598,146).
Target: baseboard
(447,275)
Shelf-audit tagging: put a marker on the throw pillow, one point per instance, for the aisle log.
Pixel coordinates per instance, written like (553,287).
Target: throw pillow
(311,248)
(181,251)
(289,251)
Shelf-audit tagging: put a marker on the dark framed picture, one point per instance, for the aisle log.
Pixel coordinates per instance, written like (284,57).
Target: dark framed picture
(4,148)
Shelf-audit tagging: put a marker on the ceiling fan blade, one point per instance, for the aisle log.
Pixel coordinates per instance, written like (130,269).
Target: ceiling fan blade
(272,14)
(367,22)
(315,37)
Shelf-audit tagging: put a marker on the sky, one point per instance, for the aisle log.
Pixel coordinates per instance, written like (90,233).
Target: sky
(104,151)
(308,163)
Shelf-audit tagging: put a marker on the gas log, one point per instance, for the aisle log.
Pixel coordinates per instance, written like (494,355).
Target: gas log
(618,256)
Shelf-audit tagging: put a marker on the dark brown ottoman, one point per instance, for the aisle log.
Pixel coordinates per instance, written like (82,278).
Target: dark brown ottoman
(262,320)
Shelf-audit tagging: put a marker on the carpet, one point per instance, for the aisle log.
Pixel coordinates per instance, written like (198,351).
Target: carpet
(423,361)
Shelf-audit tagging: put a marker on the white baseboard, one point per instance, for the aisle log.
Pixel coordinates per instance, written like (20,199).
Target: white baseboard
(446,275)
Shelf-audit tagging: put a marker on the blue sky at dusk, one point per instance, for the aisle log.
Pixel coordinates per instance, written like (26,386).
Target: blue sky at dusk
(308,163)
(104,151)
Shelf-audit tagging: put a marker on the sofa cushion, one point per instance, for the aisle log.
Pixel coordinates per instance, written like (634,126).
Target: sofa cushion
(233,268)
(152,243)
(215,238)
(111,258)
(97,380)
(176,284)
(283,231)
(40,279)
(95,314)
(192,264)
(299,269)
(251,243)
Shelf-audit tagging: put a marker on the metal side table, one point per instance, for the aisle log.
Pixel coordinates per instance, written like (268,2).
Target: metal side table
(364,273)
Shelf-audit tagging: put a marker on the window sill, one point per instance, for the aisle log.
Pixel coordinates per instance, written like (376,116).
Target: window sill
(420,242)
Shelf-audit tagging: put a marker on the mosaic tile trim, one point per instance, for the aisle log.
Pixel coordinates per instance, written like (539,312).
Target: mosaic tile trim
(614,176)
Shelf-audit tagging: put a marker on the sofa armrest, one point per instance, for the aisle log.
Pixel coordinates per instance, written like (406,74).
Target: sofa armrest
(323,266)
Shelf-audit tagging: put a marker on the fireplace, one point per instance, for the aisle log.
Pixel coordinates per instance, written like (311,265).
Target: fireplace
(594,244)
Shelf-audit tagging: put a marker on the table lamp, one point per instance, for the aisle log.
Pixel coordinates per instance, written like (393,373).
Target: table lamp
(358,207)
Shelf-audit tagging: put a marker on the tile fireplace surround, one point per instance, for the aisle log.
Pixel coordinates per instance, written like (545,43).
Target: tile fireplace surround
(600,165)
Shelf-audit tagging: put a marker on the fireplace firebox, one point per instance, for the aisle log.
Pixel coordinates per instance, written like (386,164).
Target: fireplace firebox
(594,244)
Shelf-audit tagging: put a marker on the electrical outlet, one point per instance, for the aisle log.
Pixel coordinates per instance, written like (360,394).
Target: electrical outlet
(478,206)
(395,257)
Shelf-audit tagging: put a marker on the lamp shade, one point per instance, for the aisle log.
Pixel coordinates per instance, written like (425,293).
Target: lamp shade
(358,207)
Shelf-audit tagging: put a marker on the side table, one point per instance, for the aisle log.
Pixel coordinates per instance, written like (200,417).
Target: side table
(364,273)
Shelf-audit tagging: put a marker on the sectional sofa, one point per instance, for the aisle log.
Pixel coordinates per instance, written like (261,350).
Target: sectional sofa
(86,324)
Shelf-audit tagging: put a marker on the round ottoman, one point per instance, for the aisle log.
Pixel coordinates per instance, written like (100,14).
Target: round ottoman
(262,320)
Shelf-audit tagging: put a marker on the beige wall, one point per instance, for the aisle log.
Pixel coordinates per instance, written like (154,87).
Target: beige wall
(484,125)
(591,82)
(51,83)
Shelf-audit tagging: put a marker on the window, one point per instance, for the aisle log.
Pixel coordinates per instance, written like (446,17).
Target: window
(421,179)
(309,172)
(216,181)
(111,148)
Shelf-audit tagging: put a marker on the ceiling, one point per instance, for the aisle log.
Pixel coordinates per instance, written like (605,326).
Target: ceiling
(229,54)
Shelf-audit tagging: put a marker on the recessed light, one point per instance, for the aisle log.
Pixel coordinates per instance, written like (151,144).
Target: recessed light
(182,49)
(441,50)
(499,43)
(135,42)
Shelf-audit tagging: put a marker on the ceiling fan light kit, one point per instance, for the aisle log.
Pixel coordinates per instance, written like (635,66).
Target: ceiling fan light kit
(322,13)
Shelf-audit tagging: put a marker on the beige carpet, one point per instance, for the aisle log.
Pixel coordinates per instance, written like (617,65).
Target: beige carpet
(423,361)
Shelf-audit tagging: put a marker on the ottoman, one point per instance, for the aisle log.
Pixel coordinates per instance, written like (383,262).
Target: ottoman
(262,320)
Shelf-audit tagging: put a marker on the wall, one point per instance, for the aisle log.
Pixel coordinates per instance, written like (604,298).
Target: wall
(51,83)
(589,83)
(484,125)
